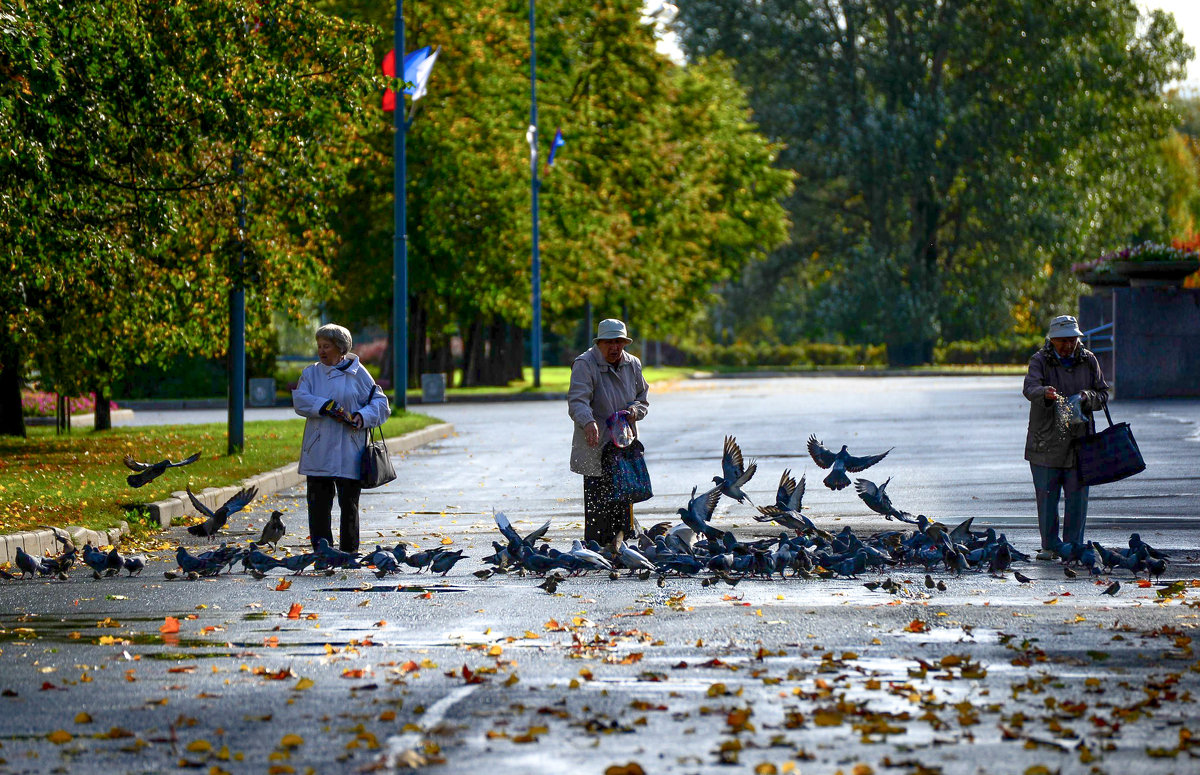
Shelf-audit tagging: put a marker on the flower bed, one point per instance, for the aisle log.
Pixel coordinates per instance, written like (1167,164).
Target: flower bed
(37,403)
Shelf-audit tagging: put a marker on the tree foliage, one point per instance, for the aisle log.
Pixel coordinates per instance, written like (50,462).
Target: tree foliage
(131,130)
(663,189)
(953,157)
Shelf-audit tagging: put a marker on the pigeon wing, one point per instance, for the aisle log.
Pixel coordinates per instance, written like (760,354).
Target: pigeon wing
(134,465)
(787,486)
(506,528)
(184,462)
(710,503)
(200,507)
(796,496)
(239,501)
(536,534)
(820,455)
(856,464)
(732,465)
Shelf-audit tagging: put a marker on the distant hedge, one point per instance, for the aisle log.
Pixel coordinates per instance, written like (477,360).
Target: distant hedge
(991,351)
(806,354)
(1009,349)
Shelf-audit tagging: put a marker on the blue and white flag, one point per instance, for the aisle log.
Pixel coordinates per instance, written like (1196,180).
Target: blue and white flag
(554,146)
(417,67)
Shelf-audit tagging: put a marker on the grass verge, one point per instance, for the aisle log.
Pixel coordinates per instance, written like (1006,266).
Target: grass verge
(79,479)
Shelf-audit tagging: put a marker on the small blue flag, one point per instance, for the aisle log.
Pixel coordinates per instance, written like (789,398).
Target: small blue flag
(554,146)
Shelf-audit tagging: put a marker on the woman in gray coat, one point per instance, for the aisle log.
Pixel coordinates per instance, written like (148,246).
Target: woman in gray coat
(340,400)
(605,380)
(1060,374)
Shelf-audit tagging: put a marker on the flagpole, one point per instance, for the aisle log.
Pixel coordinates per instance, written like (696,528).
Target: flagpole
(400,238)
(536,354)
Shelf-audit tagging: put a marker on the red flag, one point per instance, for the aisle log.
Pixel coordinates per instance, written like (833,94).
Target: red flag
(389,100)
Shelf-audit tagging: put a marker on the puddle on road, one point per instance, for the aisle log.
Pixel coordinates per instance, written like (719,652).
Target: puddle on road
(397,588)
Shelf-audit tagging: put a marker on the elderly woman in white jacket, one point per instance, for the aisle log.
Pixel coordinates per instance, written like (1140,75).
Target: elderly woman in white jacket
(340,400)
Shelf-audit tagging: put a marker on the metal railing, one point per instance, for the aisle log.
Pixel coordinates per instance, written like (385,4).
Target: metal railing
(1101,334)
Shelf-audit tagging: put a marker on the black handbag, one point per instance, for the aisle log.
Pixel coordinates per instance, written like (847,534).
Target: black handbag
(628,472)
(1110,455)
(377,467)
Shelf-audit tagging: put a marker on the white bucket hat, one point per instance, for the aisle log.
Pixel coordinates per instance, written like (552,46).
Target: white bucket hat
(1064,327)
(612,328)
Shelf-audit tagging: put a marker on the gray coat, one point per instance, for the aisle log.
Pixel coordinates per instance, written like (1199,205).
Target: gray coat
(1048,442)
(330,447)
(597,390)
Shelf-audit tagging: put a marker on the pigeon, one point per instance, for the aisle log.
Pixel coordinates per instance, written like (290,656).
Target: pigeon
(734,472)
(1021,577)
(134,563)
(274,531)
(148,472)
(929,582)
(445,561)
(1069,573)
(216,520)
(95,559)
(840,462)
(700,510)
(62,536)
(1112,589)
(551,583)
(28,564)
(113,563)
(876,498)
(588,558)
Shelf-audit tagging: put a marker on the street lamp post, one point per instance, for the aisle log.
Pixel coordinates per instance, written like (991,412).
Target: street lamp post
(237,328)
(536,354)
(400,240)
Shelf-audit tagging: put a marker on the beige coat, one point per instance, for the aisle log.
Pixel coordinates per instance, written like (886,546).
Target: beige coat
(597,390)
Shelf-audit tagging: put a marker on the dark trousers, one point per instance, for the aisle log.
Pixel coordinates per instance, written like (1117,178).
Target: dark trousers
(320,510)
(1048,485)
(603,517)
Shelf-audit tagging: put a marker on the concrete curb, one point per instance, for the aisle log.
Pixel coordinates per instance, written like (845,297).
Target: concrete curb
(38,542)
(179,505)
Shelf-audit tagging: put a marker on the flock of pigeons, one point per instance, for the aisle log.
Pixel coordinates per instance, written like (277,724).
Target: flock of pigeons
(690,547)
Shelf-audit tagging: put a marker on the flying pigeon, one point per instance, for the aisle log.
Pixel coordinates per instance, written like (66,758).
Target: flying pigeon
(840,462)
(148,472)
(734,472)
(216,520)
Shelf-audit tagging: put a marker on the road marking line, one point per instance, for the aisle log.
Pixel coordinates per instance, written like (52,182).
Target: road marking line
(398,744)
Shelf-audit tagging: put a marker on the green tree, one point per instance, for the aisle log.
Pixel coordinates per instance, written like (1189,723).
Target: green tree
(664,188)
(953,157)
(126,125)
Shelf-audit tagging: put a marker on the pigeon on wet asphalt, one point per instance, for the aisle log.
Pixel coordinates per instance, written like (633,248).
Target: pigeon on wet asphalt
(274,531)
(28,564)
(96,560)
(734,472)
(1112,589)
(840,462)
(1021,577)
(148,472)
(216,519)
(445,561)
(135,564)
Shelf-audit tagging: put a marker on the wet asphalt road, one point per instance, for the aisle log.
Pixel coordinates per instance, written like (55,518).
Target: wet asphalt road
(803,676)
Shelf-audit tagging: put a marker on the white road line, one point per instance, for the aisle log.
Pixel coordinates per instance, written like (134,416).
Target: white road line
(398,744)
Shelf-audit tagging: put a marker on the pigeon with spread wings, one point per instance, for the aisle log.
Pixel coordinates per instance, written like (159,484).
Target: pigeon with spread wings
(786,510)
(148,472)
(216,519)
(735,472)
(840,462)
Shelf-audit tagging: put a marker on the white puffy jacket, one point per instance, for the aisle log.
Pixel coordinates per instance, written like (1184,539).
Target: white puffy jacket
(330,447)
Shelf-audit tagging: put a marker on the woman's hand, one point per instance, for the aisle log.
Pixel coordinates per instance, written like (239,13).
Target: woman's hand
(1051,393)
(591,433)
(358,421)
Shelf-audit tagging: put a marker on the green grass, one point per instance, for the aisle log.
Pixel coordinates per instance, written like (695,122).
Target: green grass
(79,479)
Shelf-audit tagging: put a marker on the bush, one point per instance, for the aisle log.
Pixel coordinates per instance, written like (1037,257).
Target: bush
(1015,349)
(748,356)
(36,403)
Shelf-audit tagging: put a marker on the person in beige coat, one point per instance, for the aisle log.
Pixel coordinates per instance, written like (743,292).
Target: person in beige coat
(605,380)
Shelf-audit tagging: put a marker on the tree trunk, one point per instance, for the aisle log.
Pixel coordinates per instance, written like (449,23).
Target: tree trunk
(472,354)
(12,419)
(103,411)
